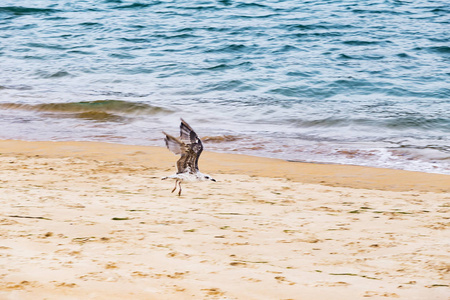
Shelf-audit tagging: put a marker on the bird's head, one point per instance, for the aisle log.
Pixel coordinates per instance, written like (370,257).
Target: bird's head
(207,177)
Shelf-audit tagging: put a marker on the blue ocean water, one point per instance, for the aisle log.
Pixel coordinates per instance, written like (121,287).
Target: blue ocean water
(336,81)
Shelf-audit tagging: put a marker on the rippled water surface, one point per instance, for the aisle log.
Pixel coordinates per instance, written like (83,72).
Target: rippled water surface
(358,82)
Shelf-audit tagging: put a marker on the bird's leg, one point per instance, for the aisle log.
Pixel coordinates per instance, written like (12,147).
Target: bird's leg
(176,181)
(179,184)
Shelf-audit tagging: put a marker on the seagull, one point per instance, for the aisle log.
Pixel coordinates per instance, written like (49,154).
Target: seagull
(189,146)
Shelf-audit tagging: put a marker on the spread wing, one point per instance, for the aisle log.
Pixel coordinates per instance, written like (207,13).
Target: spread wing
(174,144)
(189,146)
(188,135)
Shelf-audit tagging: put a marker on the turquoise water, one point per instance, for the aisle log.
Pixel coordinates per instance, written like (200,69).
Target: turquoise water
(355,82)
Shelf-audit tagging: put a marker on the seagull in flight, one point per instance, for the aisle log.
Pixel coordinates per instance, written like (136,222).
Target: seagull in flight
(189,146)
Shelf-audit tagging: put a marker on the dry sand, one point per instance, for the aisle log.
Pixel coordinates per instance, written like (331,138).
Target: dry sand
(94,221)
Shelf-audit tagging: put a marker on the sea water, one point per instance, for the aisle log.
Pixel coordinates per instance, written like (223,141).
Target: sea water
(333,81)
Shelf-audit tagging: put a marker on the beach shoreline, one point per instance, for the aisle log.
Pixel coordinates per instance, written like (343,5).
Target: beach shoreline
(94,221)
(352,176)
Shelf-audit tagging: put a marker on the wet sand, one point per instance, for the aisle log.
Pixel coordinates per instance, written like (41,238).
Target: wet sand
(95,221)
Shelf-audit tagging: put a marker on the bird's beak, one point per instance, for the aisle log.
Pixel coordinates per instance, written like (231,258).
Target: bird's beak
(212,179)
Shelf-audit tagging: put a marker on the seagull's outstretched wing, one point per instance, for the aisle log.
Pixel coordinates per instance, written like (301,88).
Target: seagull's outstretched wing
(195,146)
(187,134)
(174,144)
(189,146)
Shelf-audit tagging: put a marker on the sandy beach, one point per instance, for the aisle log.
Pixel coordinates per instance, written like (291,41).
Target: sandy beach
(83,220)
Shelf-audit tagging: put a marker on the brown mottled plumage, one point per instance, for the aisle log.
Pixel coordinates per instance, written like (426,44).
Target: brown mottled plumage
(189,146)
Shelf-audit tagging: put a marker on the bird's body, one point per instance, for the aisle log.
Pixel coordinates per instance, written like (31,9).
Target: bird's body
(189,146)
(189,177)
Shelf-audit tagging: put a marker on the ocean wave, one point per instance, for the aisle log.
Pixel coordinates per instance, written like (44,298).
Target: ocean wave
(440,49)
(303,92)
(365,56)
(329,122)
(251,5)
(418,122)
(221,138)
(136,5)
(21,10)
(361,43)
(227,85)
(400,123)
(98,116)
(57,74)
(100,110)
(229,48)
(315,26)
